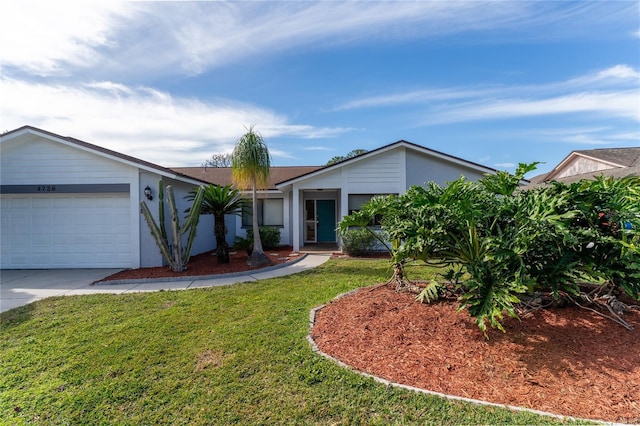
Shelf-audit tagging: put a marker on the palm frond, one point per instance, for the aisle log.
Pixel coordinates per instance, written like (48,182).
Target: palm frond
(251,161)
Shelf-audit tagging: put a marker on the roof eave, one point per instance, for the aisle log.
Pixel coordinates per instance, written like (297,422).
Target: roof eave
(401,143)
(103,152)
(572,155)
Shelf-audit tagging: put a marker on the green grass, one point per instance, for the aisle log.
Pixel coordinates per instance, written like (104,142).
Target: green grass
(226,355)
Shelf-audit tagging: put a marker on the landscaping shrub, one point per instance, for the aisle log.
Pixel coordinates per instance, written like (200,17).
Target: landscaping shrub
(269,235)
(512,243)
(358,242)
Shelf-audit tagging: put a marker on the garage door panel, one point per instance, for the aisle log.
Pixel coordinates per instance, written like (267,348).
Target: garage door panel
(17,258)
(19,221)
(62,219)
(62,240)
(40,219)
(19,203)
(41,203)
(65,230)
(41,240)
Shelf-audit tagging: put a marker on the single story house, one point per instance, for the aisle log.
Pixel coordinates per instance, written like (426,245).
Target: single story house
(66,203)
(308,202)
(585,164)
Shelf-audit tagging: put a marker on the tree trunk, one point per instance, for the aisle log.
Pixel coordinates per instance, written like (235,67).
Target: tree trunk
(401,282)
(257,257)
(220,231)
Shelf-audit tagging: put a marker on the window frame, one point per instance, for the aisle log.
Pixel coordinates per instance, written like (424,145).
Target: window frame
(248,212)
(377,220)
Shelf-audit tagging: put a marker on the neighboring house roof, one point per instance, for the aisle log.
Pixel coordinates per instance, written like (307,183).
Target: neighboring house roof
(394,145)
(104,152)
(585,164)
(222,175)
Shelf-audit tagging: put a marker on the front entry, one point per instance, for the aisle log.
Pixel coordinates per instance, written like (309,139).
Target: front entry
(320,223)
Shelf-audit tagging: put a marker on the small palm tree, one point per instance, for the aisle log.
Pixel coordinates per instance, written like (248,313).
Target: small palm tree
(250,165)
(220,201)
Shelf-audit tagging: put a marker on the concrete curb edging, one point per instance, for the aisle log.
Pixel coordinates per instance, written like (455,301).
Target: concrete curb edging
(201,277)
(316,349)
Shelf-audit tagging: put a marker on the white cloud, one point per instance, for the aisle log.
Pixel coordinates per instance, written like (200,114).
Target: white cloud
(504,165)
(50,38)
(317,148)
(619,75)
(210,34)
(142,122)
(280,153)
(582,139)
(622,104)
(590,136)
(616,75)
(214,33)
(416,97)
(592,93)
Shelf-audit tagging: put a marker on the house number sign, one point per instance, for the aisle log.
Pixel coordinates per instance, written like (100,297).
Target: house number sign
(46,188)
(73,188)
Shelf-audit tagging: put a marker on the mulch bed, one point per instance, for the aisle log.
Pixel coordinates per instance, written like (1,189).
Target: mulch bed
(566,361)
(207,264)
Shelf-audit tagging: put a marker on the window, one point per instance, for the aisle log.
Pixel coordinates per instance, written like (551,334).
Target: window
(357,200)
(270,212)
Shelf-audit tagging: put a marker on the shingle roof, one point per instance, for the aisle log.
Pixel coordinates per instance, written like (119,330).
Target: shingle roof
(222,175)
(625,162)
(625,157)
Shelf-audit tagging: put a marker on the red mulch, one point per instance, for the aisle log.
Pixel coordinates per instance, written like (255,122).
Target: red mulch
(207,264)
(566,361)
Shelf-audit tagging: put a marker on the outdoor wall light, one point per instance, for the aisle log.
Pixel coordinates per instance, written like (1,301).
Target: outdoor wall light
(147,193)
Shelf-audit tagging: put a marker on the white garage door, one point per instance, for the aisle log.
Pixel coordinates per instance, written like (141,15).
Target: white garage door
(41,231)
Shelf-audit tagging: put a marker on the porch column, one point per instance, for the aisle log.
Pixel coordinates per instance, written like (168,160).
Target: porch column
(295,215)
(344,209)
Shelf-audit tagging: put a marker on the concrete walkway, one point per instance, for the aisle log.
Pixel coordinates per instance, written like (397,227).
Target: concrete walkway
(21,287)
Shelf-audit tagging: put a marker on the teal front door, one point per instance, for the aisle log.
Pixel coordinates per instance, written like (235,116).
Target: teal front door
(326,216)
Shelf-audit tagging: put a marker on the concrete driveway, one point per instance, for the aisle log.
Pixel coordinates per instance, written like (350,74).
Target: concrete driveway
(21,287)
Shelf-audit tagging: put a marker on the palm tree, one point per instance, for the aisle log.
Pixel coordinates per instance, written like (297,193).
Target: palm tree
(250,165)
(220,201)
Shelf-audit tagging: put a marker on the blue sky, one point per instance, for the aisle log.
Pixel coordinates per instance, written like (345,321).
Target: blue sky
(173,82)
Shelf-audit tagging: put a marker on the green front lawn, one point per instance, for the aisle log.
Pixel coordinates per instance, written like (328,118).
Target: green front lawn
(222,355)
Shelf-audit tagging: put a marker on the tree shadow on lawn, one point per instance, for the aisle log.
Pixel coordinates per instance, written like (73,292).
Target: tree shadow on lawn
(16,316)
